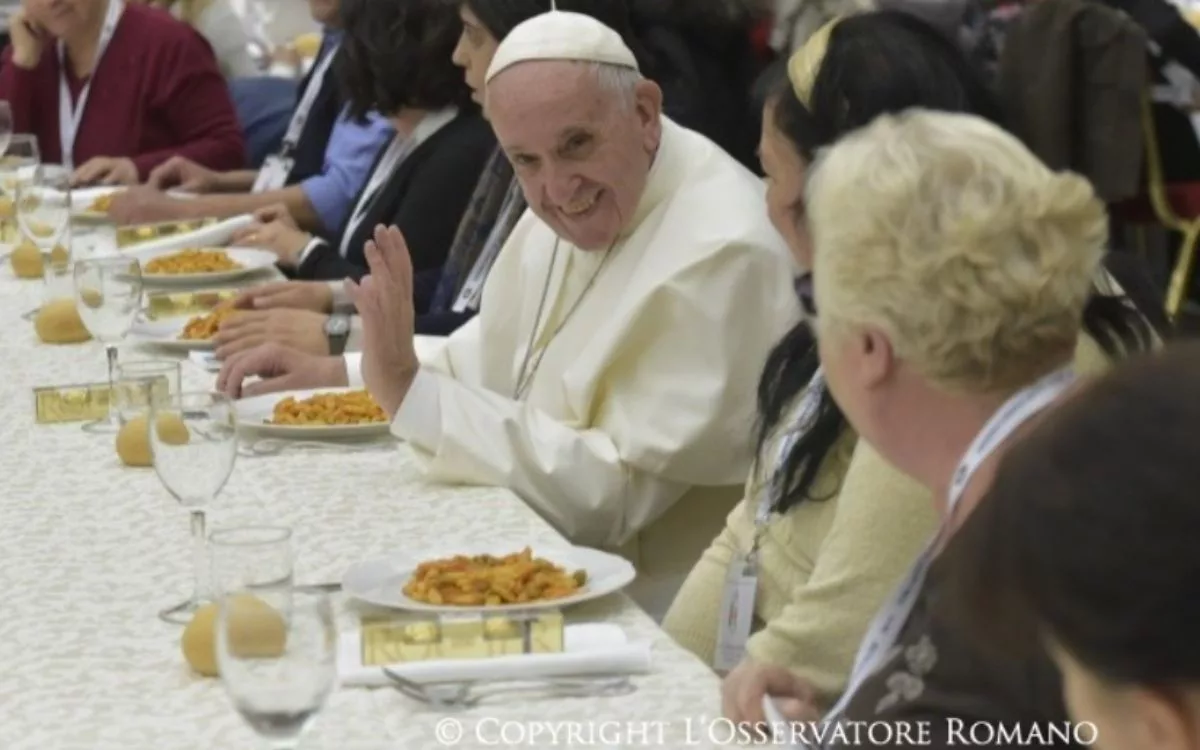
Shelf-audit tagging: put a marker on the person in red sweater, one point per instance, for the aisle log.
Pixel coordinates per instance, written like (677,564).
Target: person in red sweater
(112,90)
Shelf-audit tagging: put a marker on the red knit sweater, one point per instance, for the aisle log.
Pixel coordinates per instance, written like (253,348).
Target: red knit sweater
(156,93)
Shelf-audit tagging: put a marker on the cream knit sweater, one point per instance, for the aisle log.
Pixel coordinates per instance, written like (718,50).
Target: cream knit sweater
(826,566)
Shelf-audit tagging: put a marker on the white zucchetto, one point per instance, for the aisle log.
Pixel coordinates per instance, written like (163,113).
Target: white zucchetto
(559,35)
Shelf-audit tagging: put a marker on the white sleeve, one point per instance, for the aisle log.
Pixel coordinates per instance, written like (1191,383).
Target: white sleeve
(354,377)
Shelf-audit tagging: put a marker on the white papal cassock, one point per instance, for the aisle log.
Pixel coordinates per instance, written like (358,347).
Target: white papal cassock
(635,433)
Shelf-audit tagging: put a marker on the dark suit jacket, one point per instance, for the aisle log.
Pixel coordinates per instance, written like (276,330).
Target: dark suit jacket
(425,198)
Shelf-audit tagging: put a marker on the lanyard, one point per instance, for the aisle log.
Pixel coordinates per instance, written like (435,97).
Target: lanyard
(887,624)
(69,117)
(316,82)
(806,414)
(472,290)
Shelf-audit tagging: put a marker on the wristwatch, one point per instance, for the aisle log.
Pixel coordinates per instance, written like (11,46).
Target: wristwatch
(337,330)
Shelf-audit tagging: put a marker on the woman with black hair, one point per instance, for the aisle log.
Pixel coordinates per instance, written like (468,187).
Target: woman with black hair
(828,525)
(396,60)
(1087,543)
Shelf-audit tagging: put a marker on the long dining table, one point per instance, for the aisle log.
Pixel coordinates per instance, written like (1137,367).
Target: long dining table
(92,550)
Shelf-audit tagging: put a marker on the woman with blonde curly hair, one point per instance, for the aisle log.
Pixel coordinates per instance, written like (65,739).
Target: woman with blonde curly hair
(951,271)
(830,525)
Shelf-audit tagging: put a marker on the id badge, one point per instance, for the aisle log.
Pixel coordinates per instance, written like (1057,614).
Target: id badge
(737,612)
(274,174)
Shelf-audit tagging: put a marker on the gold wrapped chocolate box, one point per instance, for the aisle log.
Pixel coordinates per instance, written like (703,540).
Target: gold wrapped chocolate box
(128,236)
(71,403)
(396,640)
(161,305)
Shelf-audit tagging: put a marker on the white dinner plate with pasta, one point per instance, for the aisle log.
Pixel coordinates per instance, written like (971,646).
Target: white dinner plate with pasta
(320,414)
(91,204)
(169,333)
(488,577)
(201,265)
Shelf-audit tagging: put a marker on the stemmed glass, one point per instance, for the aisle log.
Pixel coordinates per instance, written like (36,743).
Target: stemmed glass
(44,208)
(18,163)
(193,441)
(143,382)
(6,125)
(108,295)
(276,647)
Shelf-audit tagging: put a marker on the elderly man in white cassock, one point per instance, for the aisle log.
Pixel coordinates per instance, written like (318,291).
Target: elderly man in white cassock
(609,378)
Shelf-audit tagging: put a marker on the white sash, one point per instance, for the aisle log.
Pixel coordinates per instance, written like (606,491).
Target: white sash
(890,621)
(69,117)
(397,151)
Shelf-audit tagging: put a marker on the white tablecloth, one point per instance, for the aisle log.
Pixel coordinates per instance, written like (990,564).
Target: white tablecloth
(91,551)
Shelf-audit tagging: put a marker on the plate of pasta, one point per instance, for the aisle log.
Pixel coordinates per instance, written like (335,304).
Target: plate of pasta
(202,265)
(183,333)
(488,577)
(320,414)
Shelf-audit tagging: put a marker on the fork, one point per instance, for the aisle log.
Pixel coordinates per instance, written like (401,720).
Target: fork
(274,446)
(464,695)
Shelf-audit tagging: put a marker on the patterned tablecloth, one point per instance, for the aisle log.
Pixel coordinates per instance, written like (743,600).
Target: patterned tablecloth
(92,550)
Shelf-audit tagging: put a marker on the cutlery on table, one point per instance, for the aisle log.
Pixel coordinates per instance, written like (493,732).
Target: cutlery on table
(462,695)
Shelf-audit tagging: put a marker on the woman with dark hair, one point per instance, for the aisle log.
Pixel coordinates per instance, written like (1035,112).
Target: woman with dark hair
(826,549)
(1086,543)
(396,60)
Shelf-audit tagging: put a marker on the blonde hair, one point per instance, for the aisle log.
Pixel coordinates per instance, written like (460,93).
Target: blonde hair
(947,234)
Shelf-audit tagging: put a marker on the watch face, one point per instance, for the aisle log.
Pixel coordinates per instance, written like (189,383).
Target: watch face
(337,325)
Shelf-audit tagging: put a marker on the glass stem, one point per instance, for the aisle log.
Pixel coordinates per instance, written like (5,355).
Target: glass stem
(111,351)
(199,557)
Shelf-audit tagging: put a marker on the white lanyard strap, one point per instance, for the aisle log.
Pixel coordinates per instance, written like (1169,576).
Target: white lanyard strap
(71,115)
(295,129)
(398,150)
(888,623)
(472,291)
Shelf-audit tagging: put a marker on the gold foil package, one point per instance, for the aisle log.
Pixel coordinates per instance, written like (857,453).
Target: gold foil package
(397,640)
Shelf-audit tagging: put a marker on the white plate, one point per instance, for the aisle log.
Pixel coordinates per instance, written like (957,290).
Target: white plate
(381,581)
(165,333)
(83,198)
(253,413)
(253,261)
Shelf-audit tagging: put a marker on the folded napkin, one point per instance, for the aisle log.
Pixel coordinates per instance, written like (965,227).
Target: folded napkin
(589,649)
(206,360)
(216,235)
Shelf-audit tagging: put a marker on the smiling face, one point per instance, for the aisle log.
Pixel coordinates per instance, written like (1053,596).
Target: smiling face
(474,52)
(581,151)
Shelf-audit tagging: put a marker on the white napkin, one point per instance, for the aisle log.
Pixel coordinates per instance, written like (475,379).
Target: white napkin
(589,649)
(217,235)
(206,360)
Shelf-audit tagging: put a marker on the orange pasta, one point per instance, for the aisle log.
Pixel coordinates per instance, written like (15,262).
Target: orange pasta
(485,580)
(102,204)
(325,409)
(192,260)
(204,327)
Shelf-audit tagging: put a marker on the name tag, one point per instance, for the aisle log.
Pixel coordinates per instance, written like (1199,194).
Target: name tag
(274,174)
(737,613)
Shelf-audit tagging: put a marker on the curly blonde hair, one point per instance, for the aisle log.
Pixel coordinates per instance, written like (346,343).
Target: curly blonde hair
(947,234)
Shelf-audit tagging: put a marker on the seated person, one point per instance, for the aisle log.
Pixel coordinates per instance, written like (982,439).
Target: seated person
(297,314)
(828,550)
(621,328)
(1087,544)
(143,88)
(951,270)
(322,165)
(224,29)
(423,180)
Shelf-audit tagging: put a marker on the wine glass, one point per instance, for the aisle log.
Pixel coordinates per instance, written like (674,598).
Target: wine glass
(18,163)
(278,666)
(193,441)
(44,208)
(142,382)
(6,125)
(108,296)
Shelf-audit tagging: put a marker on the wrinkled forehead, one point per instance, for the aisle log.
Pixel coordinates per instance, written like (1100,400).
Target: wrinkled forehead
(532,103)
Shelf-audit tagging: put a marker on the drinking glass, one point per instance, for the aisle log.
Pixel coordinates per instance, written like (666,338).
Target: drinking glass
(6,125)
(44,207)
(108,295)
(278,686)
(193,441)
(141,382)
